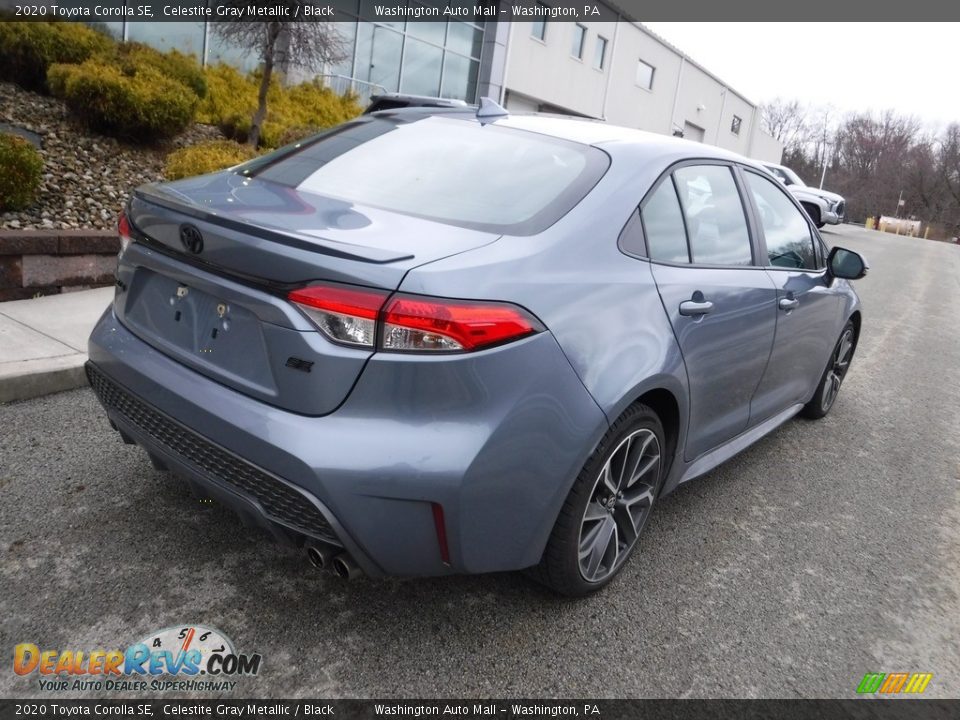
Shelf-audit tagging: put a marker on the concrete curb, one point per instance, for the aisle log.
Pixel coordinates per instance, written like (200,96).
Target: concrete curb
(43,342)
(36,378)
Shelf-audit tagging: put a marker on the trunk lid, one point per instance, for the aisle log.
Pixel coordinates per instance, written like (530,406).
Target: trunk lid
(218,305)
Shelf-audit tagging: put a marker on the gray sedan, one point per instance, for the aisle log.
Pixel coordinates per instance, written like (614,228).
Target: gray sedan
(435,341)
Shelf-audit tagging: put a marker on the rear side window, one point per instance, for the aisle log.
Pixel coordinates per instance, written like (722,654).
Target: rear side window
(451,170)
(716,223)
(663,225)
(788,236)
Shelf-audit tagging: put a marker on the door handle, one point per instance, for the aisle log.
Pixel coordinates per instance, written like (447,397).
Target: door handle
(788,303)
(692,308)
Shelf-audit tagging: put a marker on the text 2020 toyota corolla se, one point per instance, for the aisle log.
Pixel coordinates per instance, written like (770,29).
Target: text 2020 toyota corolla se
(426,342)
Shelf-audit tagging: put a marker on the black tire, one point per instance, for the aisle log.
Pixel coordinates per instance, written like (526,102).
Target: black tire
(814,212)
(560,566)
(830,382)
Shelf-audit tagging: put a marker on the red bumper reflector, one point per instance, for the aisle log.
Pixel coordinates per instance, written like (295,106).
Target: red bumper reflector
(441,526)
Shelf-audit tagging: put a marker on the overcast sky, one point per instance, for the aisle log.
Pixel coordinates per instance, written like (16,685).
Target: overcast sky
(910,67)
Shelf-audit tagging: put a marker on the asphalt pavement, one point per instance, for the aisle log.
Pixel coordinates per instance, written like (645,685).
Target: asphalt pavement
(828,550)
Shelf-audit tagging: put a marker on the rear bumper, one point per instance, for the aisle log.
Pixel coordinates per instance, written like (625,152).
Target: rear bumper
(496,438)
(256,494)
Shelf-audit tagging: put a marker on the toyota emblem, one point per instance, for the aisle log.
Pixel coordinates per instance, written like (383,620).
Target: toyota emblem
(191,238)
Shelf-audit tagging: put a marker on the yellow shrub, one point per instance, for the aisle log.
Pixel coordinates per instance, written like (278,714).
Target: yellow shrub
(229,93)
(144,105)
(205,158)
(21,168)
(27,49)
(232,100)
(312,103)
(131,56)
(272,133)
(57,77)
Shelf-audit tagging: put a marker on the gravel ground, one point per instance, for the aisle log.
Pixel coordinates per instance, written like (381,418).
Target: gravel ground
(87,177)
(827,550)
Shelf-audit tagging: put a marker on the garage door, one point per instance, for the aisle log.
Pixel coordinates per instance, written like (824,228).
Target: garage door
(692,132)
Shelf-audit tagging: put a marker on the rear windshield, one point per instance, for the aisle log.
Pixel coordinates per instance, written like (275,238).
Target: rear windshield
(442,168)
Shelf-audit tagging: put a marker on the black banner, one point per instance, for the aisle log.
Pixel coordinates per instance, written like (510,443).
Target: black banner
(474,709)
(387,11)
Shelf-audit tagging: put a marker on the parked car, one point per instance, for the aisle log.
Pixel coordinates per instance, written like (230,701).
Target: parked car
(411,366)
(822,206)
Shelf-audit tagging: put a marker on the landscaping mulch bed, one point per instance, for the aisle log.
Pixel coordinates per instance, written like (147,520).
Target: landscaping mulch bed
(87,178)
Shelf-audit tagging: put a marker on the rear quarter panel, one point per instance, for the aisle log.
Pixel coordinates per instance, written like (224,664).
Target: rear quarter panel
(601,305)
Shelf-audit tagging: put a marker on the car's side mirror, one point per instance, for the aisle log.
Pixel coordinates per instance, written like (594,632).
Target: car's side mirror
(846,264)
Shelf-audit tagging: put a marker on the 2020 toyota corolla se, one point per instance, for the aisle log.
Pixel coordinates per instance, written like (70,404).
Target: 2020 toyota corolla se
(426,342)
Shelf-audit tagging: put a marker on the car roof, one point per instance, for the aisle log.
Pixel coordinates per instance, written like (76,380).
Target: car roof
(587,131)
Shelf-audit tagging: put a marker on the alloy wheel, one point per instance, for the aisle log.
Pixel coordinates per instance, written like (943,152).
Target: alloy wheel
(619,505)
(839,365)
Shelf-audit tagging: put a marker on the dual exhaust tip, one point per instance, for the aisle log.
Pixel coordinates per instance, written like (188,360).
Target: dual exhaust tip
(334,559)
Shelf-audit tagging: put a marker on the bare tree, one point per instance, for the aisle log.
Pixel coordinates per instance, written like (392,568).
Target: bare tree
(822,139)
(279,44)
(872,159)
(948,170)
(949,157)
(876,152)
(785,121)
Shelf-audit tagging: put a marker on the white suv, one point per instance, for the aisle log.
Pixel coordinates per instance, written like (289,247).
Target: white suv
(823,207)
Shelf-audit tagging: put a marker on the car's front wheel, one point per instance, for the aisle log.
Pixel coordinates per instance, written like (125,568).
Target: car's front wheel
(826,393)
(607,508)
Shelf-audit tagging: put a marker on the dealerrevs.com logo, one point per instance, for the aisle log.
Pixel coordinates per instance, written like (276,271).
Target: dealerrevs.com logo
(186,658)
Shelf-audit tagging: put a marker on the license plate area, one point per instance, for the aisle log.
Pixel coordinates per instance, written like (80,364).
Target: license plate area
(220,337)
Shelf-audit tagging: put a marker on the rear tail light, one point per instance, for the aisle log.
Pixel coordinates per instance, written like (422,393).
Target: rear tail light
(428,324)
(123,230)
(345,315)
(411,323)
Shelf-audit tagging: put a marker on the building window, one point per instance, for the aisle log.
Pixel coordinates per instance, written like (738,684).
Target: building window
(645,75)
(422,65)
(539,30)
(579,37)
(110,29)
(600,53)
(378,54)
(427,58)
(187,37)
(459,77)
(735,124)
(463,38)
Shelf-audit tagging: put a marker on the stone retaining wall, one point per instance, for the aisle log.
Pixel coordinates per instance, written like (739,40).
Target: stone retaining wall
(46,262)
